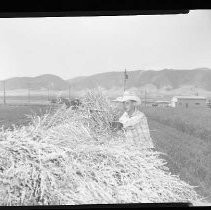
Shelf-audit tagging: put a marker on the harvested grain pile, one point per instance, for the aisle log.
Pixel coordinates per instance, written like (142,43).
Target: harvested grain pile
(73,157)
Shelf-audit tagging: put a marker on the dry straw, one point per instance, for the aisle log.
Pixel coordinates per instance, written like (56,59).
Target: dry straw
(74,157)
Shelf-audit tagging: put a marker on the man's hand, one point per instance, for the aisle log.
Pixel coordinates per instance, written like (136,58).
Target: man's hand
(130,127)
(119,132)
(116,125)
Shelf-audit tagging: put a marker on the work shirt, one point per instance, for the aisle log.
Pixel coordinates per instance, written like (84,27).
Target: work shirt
(136,129)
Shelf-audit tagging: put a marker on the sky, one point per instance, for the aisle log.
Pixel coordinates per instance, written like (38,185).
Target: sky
(80,46)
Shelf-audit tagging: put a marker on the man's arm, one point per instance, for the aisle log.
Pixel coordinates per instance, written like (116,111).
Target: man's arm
(132,121)
(123,118)
(145,127)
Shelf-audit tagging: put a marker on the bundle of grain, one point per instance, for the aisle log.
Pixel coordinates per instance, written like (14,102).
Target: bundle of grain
(63,158)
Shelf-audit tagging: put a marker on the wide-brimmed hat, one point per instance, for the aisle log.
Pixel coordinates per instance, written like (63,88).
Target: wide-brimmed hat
(118,99)
(129,96)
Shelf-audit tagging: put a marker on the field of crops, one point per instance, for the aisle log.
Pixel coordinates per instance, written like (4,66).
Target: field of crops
(193,121)
(75,157)
(185,135)
(17,114)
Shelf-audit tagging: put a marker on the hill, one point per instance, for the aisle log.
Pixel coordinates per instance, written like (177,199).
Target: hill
(168,78)
(36,83)
(164,80)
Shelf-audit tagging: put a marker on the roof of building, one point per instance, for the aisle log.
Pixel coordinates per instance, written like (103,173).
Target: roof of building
(162,101)
(189,97)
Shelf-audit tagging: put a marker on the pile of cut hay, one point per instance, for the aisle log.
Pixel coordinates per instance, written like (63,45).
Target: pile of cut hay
(73,157)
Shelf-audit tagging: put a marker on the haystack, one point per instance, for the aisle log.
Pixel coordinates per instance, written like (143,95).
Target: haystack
(74,157)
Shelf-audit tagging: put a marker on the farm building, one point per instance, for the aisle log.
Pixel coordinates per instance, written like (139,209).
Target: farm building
(156,103)
(209,103)
(188,101)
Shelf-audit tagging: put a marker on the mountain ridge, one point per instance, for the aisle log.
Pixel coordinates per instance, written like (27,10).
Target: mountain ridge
(165,78)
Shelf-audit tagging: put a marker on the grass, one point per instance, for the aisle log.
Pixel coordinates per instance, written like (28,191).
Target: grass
(11,114)
(74,157)
(23,99)
(193,121)
(180,135)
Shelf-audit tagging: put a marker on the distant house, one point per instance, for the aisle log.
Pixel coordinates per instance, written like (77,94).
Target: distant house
(209,103)
(188,101)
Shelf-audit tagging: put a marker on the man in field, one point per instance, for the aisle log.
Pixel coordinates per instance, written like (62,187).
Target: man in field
(135,122)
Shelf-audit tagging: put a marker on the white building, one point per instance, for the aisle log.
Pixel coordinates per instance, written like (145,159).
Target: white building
(188,101)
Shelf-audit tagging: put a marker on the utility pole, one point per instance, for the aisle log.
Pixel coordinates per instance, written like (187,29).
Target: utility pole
(28,92)
(4,93)
(48,94)
(124,84)
(196,91)
(145,97)
(125,78)
(69,91)
(52,90)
